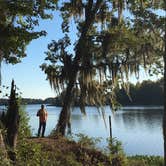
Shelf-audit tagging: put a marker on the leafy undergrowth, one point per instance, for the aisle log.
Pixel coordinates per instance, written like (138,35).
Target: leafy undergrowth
(61,151)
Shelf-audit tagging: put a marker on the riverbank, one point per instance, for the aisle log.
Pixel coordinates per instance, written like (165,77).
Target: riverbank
(69,152)
(65,152)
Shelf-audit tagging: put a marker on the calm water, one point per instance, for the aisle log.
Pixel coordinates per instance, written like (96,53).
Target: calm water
(138,128)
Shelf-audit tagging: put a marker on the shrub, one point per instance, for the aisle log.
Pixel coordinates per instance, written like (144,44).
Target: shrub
(116,153)
(86,141)
(24,128)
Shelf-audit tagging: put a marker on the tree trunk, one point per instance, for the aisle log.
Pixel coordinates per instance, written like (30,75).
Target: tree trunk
(12,123)
(164,131)
(64,117)
(65,113)
(120,10)
(164,116)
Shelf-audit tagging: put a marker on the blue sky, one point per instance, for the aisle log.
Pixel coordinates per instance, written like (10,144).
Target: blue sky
(27,75)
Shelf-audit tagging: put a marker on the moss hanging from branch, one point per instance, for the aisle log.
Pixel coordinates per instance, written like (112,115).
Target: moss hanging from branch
(108,50)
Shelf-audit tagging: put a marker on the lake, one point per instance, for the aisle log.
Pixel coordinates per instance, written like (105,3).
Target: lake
(138,128)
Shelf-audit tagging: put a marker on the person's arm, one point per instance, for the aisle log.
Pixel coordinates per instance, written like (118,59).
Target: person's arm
(46,114)
(37,113)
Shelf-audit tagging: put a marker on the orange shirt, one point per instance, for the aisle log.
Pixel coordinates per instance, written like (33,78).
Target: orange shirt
(42,113)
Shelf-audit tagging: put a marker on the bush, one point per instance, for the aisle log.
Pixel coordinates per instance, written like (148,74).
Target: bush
(86,141)
(24,128)
(30,153)
(116,153)
(3,159)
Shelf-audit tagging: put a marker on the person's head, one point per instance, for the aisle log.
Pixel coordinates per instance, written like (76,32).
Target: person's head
(42,106)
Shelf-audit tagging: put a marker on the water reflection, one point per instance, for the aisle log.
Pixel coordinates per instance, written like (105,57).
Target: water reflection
(140,131)
(148,120)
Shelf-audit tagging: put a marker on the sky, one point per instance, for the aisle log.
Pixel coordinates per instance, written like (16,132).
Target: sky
(28,76)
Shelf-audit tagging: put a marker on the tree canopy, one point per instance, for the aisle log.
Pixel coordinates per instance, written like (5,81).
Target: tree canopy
(110,46)
(18,20)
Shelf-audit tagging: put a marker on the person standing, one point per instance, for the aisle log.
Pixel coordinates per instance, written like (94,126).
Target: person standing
(42,114)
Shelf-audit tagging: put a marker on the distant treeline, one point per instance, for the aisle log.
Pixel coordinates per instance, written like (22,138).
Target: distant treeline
(30,101)
(145,93)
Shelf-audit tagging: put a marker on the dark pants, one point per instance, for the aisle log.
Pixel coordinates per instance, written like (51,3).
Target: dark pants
(43,126)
